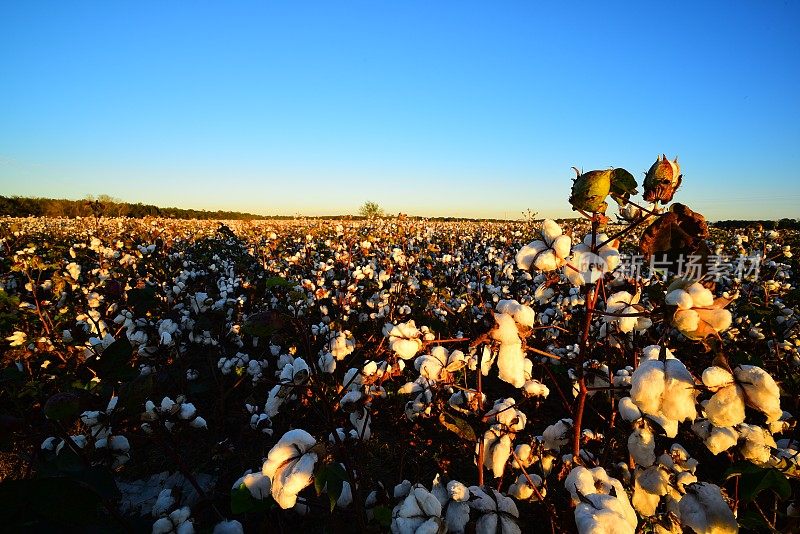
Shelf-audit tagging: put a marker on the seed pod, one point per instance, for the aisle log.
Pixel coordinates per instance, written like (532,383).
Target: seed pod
(662,180)
(590,189)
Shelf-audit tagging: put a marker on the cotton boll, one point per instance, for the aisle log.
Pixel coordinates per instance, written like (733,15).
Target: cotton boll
(679,392)
(715,377)
(290,467)
(721,439)
(701,296)
(641,445)
(757,443)
(686,320)
(550,231)
(679,298)
(628,409)
(602,514)
(726,407)
(546,261)
(524,316)
(717,318)
(511,364)
(527,253)
(647,386)
(163,503)
(505,330)
(643,501)
(561,246)
(406,348)
(556,435)
(705,511)
(497,450)
(761,391)
(534,388)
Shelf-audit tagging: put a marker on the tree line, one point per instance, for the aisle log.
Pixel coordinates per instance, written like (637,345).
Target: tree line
(106,206)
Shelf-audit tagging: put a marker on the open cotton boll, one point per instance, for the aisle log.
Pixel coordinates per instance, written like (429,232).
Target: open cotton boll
(523,491)
(290,467)
(664,389)
(628,409)
(679,298)
(679,393)
(498,512)
(557,435)
(511,364)
(701,296)
(717,318)
(497,446)
(705,511)
(527,253)
(721,439)
(686,320)
(653,352)
(715,377)
(757,443)
(505,329)
(642,446)
(726,407)
(602,514)
(164,502)
(406,348)
(419,512)
(534,388)
(524,316)
(647,386)
(761,391)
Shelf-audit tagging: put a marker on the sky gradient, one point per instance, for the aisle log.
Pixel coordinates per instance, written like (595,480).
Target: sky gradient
(474,109)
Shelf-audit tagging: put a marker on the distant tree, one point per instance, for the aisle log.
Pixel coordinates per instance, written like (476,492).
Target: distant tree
(370,210)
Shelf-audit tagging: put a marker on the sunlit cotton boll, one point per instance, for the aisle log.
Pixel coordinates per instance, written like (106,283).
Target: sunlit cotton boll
(547,254)
(290,466)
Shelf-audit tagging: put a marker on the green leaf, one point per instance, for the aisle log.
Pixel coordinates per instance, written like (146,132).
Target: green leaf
(752,520)
(331,480)
(263,324)
(242,501)
(62,407)
(754,479)
(382,515)
(458,426)
(277,281)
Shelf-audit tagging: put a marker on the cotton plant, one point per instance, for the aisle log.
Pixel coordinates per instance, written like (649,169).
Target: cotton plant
(548,253)
(698,313)
(602,504)
(583,266)
(171,414)
(98,422)
(498,440)
(290,466)
(663,389)
(404,339)
(623,308)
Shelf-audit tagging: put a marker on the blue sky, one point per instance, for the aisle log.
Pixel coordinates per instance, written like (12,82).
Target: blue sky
(433,108)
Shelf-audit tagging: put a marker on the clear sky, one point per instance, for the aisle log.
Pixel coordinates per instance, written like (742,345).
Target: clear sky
(433,108)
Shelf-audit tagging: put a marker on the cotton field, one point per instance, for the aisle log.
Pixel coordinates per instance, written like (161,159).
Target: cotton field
(629,370)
